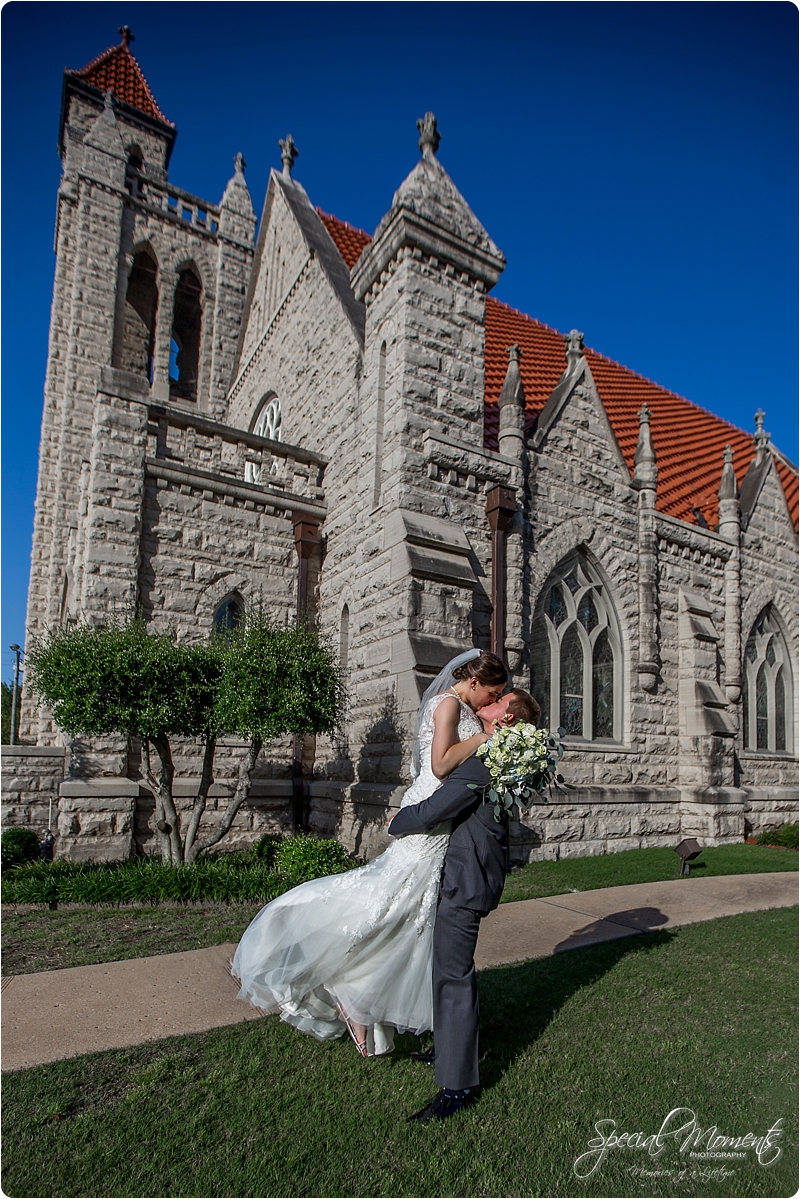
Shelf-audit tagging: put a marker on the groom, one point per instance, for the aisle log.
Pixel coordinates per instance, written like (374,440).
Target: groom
(472,881)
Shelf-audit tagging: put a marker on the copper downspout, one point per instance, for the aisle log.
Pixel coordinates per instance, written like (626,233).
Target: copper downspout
(306,540)
(501,505)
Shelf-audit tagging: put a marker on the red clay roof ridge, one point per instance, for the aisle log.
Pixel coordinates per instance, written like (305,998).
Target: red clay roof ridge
(346,224)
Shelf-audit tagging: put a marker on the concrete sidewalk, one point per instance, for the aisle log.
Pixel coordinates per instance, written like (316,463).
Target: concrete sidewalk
(64,1013)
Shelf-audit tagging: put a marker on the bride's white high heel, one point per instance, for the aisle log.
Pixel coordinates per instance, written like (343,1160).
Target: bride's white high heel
(361,1046)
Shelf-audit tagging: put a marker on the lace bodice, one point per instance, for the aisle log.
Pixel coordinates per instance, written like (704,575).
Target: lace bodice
(426,781)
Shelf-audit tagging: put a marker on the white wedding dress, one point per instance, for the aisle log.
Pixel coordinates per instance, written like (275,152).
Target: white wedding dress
(361,940)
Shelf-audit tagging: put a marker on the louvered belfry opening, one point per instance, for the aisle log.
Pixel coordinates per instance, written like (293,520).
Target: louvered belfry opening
(141,304)
(185,347)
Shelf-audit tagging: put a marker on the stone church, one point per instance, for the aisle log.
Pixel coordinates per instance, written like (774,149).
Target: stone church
(289,408)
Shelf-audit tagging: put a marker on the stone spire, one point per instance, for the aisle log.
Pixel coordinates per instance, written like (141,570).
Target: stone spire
(511,405)
(729,508)
(574,353)
(728,487)
(645,478)
(289,154)
(237,216)
(645,469)
(104,154)
(431,217)
(760,438)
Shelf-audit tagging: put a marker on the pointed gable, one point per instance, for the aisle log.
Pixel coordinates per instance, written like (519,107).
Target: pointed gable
(117,71)
(688,440)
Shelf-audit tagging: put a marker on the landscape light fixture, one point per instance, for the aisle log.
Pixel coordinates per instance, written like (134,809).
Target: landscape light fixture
(687,851)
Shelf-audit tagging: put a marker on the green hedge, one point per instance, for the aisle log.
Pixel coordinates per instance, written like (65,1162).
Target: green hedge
(785,834)
(273,866)
(18,845)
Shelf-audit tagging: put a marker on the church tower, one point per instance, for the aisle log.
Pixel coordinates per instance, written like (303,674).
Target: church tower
(147,305)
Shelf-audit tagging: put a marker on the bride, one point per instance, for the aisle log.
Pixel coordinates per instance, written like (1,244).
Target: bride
(354,951)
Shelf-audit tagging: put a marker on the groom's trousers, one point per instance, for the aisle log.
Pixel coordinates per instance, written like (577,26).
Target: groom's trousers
(455,995)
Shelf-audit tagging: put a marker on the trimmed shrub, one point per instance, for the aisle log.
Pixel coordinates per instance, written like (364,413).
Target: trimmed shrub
(252,876)
(266,847)
(785,834)
(302,857)
(18,845)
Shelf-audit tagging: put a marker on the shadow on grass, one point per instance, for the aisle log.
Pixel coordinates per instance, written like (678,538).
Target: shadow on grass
(518,1002)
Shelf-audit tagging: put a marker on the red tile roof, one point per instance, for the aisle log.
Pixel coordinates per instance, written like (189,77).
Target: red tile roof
(688,440)
(117,71)
(348,240)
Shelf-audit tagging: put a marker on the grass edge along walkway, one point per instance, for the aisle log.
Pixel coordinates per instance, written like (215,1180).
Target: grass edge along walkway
(58,1014)
(38,939)
(702,1016)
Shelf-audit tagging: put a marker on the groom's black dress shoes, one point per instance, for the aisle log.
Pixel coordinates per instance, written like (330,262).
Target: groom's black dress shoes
(426,1056)
(443,1105)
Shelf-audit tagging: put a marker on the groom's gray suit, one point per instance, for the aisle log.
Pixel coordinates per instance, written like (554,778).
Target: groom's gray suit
(472,881)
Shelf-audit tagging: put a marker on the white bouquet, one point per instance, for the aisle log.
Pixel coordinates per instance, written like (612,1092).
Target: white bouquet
(522,761)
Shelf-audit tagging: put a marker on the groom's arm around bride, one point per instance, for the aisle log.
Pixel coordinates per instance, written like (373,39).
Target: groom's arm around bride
(472,883)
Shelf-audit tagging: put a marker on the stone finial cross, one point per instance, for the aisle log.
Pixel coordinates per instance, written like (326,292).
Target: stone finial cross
(239,163)
(760,438)
(644,415)
(127,36)
(514,353)
(727,456)
(289,153)
(429,135)
(574,341)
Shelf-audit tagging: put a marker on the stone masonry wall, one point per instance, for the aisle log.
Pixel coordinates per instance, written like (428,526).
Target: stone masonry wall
(32,775)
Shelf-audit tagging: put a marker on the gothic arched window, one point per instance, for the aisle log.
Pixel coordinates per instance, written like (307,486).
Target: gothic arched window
(577,656)
(767,691)
(184,360)
(228,616)
(267,424)
(139,329)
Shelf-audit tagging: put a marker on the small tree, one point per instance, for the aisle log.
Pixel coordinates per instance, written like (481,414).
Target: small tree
(276,679)
(120,678)
(265,681)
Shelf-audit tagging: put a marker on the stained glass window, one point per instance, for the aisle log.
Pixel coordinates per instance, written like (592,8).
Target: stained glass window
(603,688)
(558,608)
(762,717)
(767,687)
(572,682)
(575,644)
(540,673)
(587,613)
(780,712)
(228,615)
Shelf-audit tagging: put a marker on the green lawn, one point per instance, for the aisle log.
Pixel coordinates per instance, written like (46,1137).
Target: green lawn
(703,1016)
(44,940)
(640,866)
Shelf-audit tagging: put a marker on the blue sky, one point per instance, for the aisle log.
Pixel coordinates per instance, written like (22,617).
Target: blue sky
(636,162)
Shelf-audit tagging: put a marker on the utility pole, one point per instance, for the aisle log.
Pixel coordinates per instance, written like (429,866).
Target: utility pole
(15,695)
